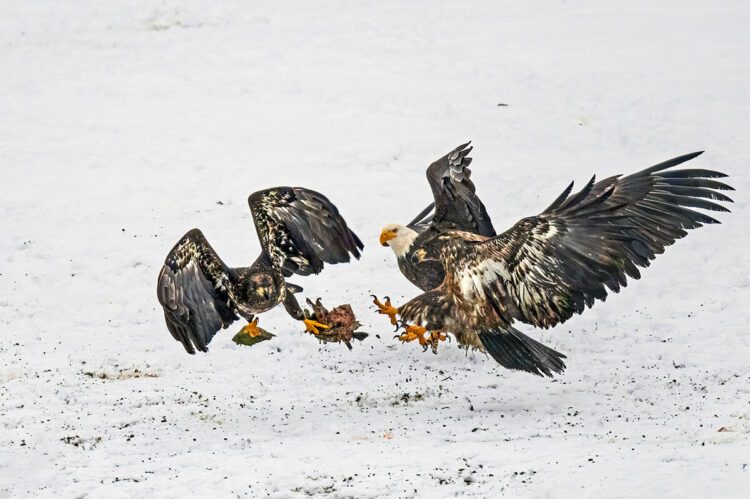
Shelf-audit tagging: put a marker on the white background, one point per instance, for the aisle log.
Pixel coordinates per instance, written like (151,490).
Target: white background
(122,125)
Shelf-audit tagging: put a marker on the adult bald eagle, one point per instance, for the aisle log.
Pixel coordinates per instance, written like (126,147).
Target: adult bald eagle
(456,206)
(299,230)
(548,267)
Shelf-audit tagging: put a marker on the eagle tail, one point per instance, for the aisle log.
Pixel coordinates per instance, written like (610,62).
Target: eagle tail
(514,350)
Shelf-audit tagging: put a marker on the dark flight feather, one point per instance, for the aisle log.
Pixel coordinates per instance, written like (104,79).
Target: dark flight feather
(456,204)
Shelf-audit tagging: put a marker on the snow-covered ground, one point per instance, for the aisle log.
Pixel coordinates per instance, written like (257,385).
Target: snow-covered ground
(123,124)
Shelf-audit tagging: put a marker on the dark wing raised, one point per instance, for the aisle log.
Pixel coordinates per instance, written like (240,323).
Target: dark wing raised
(423,220)
(301,229)
(192,289)
(457,206)
(549,267)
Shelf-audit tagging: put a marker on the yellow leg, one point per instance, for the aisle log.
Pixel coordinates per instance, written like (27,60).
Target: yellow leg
(312,326)
(386,308)
(251,328)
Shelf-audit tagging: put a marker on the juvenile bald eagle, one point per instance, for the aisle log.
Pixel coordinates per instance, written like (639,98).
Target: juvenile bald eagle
(299,230)
(548,267)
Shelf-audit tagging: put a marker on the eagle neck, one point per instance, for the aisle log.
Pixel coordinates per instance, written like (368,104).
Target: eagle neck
(403,243)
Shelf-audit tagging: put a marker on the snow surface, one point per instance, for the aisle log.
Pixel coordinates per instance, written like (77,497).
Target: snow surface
(124,124)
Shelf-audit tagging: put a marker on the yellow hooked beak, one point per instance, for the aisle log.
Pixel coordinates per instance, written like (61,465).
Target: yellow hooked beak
(386,236)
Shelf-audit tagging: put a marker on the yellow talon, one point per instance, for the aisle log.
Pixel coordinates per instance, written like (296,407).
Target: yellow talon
(312,326)
(252,329)
(414,333)
(386,309)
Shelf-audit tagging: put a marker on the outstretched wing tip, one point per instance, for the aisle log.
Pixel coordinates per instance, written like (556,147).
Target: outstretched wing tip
(620,224)
(359,244)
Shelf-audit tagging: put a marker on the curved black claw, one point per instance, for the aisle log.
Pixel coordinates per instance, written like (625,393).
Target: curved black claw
(399,325)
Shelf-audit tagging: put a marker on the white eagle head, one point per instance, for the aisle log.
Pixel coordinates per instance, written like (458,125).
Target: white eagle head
(398,237)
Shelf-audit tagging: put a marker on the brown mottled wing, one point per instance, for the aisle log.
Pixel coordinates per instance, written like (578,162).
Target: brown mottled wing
(301,229)
(549,267)
(457,206)
(192,289)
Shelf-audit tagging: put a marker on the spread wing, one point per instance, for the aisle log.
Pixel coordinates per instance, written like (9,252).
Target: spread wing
(192,289)
(301,229)
(546,268)
(457,206)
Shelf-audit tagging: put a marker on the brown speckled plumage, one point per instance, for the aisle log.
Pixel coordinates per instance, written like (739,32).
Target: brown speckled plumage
(551,266)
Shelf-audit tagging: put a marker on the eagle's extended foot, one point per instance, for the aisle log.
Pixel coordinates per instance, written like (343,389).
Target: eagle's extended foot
(251,328)
(386,308)
(418,333)
(412,333)
(311,326)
